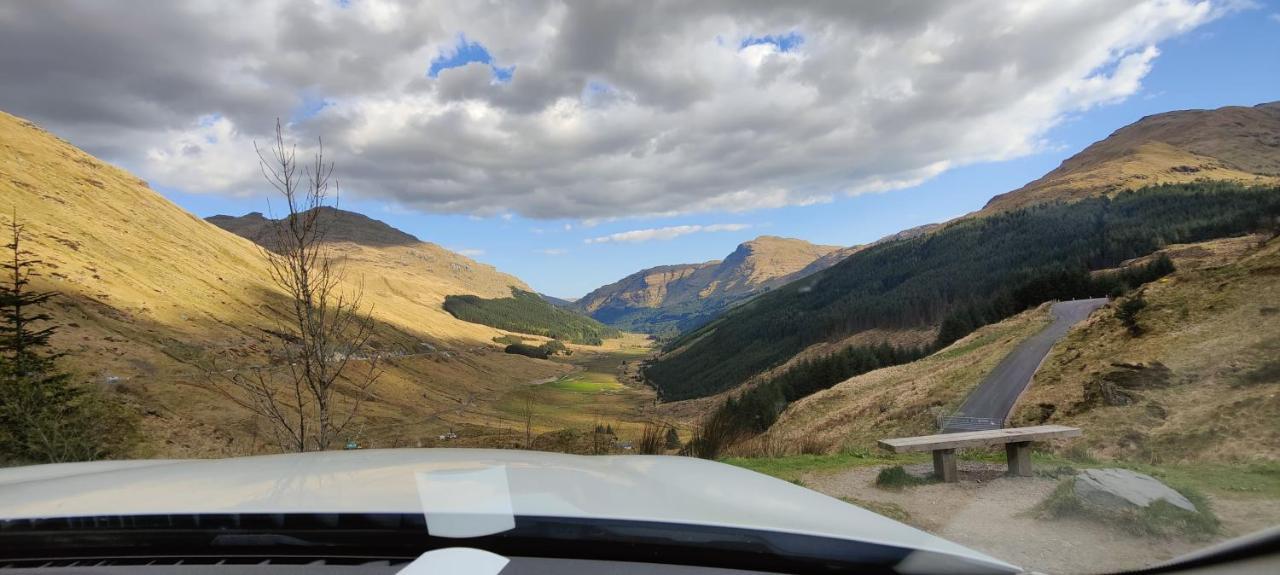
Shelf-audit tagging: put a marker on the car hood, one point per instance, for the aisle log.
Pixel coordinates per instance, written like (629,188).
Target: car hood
(662,489)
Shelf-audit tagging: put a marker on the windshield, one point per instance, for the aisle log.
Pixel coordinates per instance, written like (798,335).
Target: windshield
(904,287)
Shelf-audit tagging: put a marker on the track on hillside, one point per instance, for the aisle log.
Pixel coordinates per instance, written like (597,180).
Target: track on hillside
(989,404)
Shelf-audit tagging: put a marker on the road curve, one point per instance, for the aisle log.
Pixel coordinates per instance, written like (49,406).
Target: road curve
(995,396)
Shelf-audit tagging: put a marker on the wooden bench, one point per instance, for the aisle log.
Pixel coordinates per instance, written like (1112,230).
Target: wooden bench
(1017,442)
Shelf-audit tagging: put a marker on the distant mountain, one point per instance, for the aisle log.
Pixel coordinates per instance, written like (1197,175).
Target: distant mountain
(672,298)
(559,302)
(1234,143)
(343,226)
(1199,174)
(373,248)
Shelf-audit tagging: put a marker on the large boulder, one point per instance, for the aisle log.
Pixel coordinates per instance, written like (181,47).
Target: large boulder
(1121,489)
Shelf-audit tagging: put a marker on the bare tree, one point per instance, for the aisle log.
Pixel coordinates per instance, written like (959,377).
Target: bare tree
(526,411)
(324,328)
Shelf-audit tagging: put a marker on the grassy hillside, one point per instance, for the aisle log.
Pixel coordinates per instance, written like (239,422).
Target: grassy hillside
(152,293)
(1202,381)
(528,312)
(1200,384)
(1235,143)
(903,400)
(985,268)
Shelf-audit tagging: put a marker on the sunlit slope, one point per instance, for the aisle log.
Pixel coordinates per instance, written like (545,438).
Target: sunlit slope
(1202,383)
(677,297)
(1233,143)
(153,294)
(403,278)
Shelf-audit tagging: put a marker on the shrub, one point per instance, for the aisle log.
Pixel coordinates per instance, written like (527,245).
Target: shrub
(1127,313)
(526,350)
(896,478)
(650,440)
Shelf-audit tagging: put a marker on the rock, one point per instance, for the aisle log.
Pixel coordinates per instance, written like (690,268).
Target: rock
(1120,489)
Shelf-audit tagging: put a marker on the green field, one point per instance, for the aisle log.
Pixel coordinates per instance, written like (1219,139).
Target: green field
(590,395)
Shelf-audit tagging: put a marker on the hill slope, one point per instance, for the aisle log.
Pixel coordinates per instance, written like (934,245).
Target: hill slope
(1203,374)
(531,313)
(916,283)
(672,298)
(153,293)
(1233,144)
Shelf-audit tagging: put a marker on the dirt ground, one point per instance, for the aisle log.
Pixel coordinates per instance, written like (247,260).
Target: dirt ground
(993,514)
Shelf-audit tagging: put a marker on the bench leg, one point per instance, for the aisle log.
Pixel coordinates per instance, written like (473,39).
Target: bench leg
(944,465)
(1019,455)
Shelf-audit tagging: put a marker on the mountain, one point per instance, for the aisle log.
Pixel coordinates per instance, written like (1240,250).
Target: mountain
(1028,246)
(1234,143)
(417,273)
(341,225)
(152,296)
(679,297)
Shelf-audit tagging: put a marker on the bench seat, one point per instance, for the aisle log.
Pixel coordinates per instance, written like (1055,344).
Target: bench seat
(1017,442)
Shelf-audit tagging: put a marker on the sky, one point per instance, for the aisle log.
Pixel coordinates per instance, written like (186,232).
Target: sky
(573,143)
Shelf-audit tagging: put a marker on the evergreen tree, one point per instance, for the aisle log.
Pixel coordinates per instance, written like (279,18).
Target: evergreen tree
(673,438)
(36,398)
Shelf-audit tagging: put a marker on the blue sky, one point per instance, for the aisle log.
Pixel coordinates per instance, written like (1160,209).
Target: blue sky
(522,133)
(1234,61)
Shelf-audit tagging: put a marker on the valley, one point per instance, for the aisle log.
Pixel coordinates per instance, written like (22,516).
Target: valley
(803,355)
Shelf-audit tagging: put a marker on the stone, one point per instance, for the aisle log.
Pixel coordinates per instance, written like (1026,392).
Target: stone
(1120,489)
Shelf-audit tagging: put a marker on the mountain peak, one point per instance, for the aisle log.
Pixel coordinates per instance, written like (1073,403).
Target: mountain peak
(1233,143)
(648,298)
(343,226)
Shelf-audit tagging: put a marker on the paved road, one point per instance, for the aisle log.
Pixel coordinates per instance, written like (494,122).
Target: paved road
(995,396)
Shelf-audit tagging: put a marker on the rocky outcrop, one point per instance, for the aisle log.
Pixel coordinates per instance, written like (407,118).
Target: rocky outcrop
(1123,490)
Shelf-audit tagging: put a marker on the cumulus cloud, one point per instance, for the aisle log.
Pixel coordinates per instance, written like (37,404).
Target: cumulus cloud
(667,233)
(587,110)
(469,252)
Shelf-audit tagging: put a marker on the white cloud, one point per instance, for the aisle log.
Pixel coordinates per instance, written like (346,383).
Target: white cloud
(612,110)
(552,251)
(469,252)
(667,233)
(1275,16)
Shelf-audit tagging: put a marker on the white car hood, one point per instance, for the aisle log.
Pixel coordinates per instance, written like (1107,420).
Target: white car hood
(628,487)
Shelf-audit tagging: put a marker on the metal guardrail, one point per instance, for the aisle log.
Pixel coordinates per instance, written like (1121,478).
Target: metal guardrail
(953,423)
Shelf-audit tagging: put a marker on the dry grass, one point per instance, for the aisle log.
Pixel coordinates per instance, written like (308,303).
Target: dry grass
(1210,326)
(1148,164)
(153,293)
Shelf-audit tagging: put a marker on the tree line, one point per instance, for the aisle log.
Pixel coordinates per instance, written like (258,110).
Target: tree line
(973,271)
(528,312)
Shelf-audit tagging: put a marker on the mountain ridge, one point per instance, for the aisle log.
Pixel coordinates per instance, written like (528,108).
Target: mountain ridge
(1232,143)
(682,295)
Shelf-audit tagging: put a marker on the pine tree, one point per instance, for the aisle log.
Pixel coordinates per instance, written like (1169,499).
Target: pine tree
(35,396)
